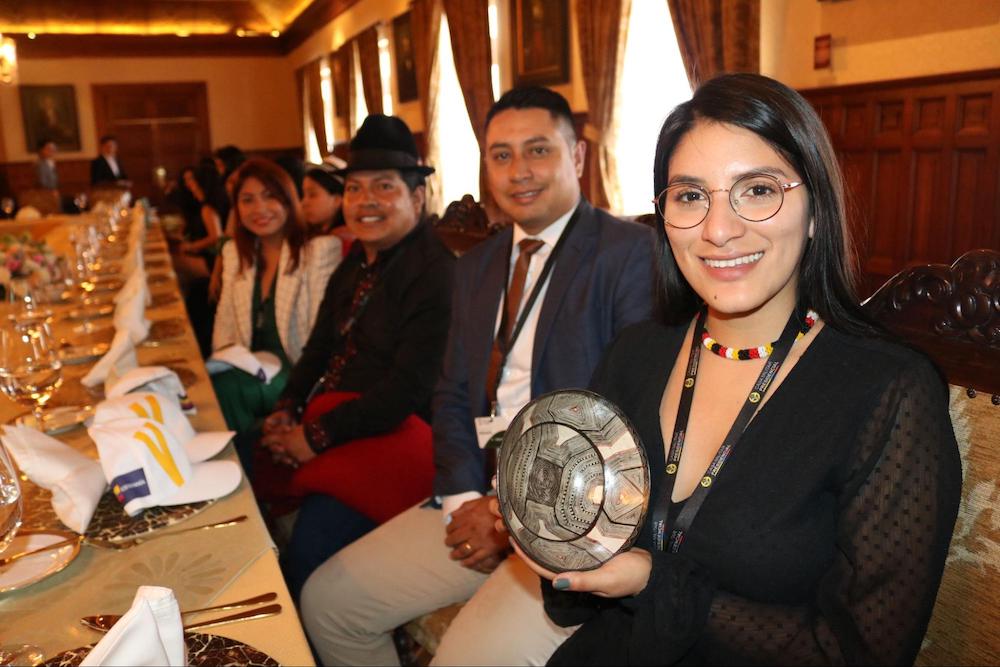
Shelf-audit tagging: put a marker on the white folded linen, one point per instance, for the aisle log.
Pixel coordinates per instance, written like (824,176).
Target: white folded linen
(119,359)
(262,365)
(149,633)
(76,481)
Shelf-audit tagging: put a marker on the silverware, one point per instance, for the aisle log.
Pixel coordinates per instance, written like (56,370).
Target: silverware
(55,545)
(103,622)
(135,541)
(249,615)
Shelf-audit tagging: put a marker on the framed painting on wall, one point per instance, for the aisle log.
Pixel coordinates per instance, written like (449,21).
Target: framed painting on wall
(540,41)
(406,71)
(49,114)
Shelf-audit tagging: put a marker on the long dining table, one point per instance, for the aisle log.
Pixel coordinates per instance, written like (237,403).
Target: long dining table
(202,567)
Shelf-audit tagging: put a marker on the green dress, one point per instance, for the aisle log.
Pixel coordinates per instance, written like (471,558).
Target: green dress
(244,399)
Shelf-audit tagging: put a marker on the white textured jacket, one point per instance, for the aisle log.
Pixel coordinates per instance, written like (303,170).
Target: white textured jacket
(297,295)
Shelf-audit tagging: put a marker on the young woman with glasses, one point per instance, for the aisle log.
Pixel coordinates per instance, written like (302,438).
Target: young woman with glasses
(805,476)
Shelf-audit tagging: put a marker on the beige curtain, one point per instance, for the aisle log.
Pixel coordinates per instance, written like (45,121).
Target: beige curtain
(426,26)
(468,23)
(717,36)
(371,78)
(601,28)
(314,95)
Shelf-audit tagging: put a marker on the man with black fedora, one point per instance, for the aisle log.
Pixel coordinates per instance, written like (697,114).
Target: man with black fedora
(352,423)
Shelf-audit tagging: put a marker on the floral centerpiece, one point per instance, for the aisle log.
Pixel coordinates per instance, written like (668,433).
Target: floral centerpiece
(25,257)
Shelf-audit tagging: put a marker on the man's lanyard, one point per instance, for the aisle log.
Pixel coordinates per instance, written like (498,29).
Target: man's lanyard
(762,384)
(505,346)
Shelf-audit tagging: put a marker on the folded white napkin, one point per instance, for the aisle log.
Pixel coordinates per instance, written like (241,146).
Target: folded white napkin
(130,314)
(150,633)
(76,481)
(135,284)
(157,379)
(133,261)
(119,359)
(262,365)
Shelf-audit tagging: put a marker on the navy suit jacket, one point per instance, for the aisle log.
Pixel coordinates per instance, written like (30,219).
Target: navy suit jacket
(602,281)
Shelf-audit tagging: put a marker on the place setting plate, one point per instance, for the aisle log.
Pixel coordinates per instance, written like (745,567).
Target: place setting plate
(31,569)
(81,354)
(163,330)
(159,278)
(110,522)
(60,419)
(163,299)
(204,650)
(91,312)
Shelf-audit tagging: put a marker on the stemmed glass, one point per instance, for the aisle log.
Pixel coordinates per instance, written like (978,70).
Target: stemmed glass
(80,201)
(7,206)
(30,369)
(10,500)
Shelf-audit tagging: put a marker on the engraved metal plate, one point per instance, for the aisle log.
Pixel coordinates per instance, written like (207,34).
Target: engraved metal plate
(572,480)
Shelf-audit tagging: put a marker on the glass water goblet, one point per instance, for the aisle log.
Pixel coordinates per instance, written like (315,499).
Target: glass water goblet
(7,205)
(10,500)
(30,369)
(80,201)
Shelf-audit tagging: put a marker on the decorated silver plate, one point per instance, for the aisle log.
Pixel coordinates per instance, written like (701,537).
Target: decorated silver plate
(572,481)
(202,651)
(81,354)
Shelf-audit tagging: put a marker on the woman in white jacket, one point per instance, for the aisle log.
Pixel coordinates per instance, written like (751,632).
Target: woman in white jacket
(273,279)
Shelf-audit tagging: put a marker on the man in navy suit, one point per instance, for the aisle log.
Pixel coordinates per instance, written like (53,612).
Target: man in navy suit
(584,276)
(105,168)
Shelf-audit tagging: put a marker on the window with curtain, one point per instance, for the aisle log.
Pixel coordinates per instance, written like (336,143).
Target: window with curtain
(458,149)
(360,106)
(385,68)
(653,82)
(313,153)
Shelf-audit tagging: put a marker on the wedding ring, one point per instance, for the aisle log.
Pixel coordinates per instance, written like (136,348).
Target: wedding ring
(466,548)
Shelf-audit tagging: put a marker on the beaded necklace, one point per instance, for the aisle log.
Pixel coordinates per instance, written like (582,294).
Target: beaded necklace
(759,352)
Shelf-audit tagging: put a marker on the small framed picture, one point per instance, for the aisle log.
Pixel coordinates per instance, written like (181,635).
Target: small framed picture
(540,41)
(406,71)
(49,114)
(822,49)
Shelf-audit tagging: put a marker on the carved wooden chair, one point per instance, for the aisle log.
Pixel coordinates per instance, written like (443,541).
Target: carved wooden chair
(952,313)
(464,224)
(43,200)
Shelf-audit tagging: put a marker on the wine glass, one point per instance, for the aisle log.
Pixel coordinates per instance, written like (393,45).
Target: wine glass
(80,201)
(7,206)
(30,369)
(10,500)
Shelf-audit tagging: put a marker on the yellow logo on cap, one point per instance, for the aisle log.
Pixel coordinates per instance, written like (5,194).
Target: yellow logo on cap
(160,451)
(154,407)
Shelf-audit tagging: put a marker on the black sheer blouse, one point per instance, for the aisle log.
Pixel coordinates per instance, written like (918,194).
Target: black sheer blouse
(825,534)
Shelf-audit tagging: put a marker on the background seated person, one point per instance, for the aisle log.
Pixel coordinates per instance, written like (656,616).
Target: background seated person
(272,282)
(322,198)
(354,413)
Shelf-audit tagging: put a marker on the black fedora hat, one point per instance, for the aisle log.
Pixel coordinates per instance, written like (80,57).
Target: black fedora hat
(384,142)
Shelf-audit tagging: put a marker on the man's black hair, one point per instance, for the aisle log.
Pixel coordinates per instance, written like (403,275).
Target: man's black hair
(106,138)
(41,143)
(535,97)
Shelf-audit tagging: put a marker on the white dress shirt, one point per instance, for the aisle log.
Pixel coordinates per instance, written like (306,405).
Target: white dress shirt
(113,163)
(514,391)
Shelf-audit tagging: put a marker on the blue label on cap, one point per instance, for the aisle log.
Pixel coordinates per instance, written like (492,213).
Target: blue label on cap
(130,486)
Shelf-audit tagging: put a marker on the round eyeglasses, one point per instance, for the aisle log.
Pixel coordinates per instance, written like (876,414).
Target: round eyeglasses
(755,198)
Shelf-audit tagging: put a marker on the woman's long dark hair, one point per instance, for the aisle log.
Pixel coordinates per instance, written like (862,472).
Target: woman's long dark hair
(785,120)
(280,185)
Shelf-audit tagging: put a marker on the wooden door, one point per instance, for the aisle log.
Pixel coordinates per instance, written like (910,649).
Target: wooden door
(161,128)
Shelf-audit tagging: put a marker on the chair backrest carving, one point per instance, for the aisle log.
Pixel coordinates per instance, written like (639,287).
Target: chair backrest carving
(953,314)
(464,224)
(45,201)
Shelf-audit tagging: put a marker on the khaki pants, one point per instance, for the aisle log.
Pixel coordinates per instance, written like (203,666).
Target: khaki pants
(351,604)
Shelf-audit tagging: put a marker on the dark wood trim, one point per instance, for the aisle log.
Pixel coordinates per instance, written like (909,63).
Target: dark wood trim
(138,46)
(929,80)
(315,16)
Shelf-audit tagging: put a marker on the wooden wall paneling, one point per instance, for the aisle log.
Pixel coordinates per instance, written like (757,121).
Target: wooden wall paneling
(921,162)
(162,127)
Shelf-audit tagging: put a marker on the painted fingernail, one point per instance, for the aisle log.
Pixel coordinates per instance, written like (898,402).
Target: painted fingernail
(560,584)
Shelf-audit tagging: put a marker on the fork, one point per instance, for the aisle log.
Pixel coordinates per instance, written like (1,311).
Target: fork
(136,541)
